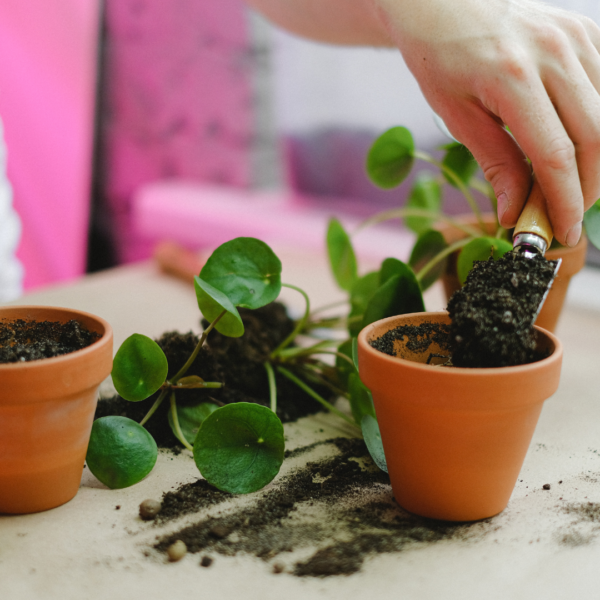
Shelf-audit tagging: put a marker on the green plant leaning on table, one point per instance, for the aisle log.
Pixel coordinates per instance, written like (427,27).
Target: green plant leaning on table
(239,447)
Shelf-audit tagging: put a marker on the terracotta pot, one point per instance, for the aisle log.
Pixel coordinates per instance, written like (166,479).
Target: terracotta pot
(573,260)
(46,412)
(454,439)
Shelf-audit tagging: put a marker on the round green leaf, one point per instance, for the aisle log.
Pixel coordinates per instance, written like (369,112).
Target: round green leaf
(341,255)
(591,220)
(391,157)
(212,303)
(459,159)
(372,436)
(480,248)
(428,245)
(240,447)
(190,418)
(246,270)
(361,401)
(121,452)
(360,295)
(400,294)
(426,193)
(139,368)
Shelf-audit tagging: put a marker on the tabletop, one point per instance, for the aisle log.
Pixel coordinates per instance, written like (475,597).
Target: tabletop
(546,543)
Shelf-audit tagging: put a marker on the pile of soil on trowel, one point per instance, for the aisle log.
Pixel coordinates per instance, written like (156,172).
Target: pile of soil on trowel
(238,363)
(493,313)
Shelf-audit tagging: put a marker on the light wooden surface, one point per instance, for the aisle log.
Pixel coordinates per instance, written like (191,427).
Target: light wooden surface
(87,549)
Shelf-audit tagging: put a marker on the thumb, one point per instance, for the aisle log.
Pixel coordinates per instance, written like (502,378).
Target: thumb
(503,162)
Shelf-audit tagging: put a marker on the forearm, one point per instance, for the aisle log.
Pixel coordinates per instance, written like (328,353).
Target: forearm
(348,22)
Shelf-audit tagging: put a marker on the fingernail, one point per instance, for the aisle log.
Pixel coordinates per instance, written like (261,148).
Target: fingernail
(574,235)
(503,205)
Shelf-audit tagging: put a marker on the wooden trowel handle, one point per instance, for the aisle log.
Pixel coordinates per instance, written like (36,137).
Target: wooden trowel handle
(534,218)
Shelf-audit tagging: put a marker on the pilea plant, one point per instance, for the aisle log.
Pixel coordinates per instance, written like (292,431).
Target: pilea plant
(238,447)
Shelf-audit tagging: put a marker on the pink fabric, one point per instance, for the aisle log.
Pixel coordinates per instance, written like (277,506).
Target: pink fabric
(179,101)
(47,81)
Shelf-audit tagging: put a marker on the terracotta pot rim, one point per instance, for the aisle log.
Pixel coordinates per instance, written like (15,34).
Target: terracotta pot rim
(105,339)
(395,361)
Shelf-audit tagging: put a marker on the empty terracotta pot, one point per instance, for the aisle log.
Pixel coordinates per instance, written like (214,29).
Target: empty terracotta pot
(454,438)
(573,260)
(46,412)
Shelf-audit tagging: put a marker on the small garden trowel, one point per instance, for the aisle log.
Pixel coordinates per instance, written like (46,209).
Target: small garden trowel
(533,233)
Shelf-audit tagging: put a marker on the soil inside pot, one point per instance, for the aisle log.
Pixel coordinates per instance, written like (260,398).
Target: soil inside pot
(492,314)
(22,341)
(236,362)
(337,511)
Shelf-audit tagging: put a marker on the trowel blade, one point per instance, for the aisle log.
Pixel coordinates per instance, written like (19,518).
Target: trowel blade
(558,263)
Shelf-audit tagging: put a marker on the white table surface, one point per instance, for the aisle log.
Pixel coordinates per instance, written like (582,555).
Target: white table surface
(87,549)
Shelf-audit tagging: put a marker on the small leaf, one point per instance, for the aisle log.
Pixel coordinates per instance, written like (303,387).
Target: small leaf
(341,255)
(360,295)
(428,245)
(139,369)
(372,436)
(120,452)
(344,368)
(391,157)
(190,418)
(246,270)
(426,194)
(240,447)
(190,380)
(461,161)
(480,248)
(400,294)
(212,303)
(361,401)
(591,220)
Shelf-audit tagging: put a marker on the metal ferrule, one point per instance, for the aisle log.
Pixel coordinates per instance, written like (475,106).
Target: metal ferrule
(530,244)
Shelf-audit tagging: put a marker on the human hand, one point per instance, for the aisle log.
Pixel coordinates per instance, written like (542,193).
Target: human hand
(516,63)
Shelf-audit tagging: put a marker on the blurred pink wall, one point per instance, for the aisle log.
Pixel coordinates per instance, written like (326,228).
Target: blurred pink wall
(178,101)
(47,80)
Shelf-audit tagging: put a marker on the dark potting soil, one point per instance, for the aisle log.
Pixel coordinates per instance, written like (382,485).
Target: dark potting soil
(357,517)
(235,362)
(492,314)
(22,341)
(419,337)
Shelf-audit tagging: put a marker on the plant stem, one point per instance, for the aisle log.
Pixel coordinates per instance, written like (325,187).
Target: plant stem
(156,404)
(176,423)
(194,386)
(458,181)
(401,213)
(299,324)
(328,306)
(291,353)
(440,256)
(194,354)
(272,386)
(314,395)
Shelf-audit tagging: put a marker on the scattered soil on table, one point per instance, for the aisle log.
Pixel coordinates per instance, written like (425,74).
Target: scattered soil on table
(585,525)
(22,341)
(492,314)
(336,512)
(235,362)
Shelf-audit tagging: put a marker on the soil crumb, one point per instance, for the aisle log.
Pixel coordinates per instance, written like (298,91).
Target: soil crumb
(492,314)
(418,338)
(22,341)
(324,519)
(235,362)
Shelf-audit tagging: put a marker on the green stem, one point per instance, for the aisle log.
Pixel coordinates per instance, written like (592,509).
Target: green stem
(194,386)
(401,213)
(272,386)
(299,325)
(440,256)
(458,181)
(314,395)
(194,354)
(291,353)
(156,404)
(176,423)
(328,306)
